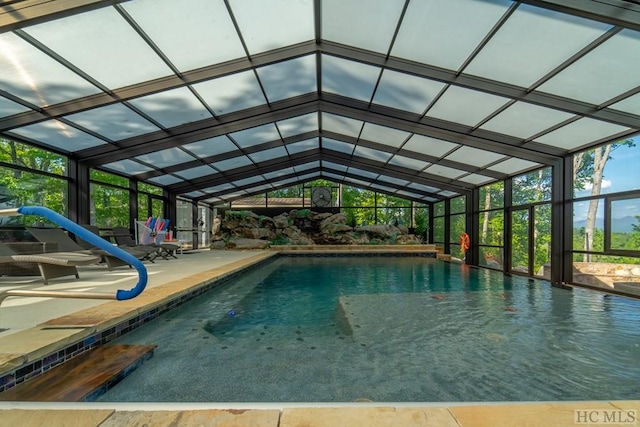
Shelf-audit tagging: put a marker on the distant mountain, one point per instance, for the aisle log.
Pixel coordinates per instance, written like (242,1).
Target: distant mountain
(620,225)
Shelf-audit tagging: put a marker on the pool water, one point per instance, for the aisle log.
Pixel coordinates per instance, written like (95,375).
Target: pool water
(388,330)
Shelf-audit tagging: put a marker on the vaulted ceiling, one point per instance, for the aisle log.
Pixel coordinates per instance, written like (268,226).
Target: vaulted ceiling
(220,99)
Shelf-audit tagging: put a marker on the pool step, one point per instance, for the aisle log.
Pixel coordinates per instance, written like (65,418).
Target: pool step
(82,378)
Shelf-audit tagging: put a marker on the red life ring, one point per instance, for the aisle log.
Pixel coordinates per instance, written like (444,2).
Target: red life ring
(465,242)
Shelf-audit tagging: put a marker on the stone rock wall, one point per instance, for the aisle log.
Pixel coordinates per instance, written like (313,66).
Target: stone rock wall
(241,229)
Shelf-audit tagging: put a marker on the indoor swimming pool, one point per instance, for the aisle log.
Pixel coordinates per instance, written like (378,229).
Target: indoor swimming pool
(387,329)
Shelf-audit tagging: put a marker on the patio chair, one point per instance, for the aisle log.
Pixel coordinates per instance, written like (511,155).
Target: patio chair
(142,255)
(50,264)
(65,243)
(124,239)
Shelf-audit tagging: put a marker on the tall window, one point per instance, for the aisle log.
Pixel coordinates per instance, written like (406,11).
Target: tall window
(109,201)
(491,225)
(457,224)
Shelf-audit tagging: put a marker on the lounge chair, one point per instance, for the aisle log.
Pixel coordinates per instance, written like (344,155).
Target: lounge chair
(65,243)
(50,264)
(111,261)
(124,239)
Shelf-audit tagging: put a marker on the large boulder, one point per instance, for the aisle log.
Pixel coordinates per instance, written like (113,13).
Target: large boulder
(242,243)
(281,221)
(218,244)
(408,239)
(338,218)
(385,231)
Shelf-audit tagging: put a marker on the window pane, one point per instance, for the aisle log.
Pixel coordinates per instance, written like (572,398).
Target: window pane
(108,178)
(532,187)
(588,226)
(492,196)
(491,228)
(20,154)
(109,206)
(620,171)
(491,257)
(458,205)
(457,226)
(438,230)
(542,242)
(438,209)
(151,189)
(19,188)
(625,224)
(520,241)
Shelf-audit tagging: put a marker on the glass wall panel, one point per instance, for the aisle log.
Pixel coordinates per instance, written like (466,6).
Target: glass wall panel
(20,188)
(421,222)
(491,228)
(625,224)
(520,241)
(532,187)
(457,226)
(23,155)
(491,257)
(588,226)
(108,178)
(438,230)
(458,205)
(542,240)
(438,209)
(184,221)
(109,206)
(492,196)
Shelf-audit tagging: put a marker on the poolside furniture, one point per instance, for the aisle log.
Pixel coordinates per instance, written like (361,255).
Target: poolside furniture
(50,264)
(163,250)
(109,259)
(124,239)
(65,243)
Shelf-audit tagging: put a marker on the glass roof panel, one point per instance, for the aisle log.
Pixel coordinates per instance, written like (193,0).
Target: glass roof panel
(524,120)
(307,176)
(332,144)
(173,107)
(58,134)
(430,146)
(476,179)
(247,181)
(412,195)
(298,125)
(268,25)
(628,105)
(272,153)
(384,135)
(211,146)
(104,45)
(113,121)
(332,176)
(383,188)
(447,193)
(427,34)
(370,153)
(289,78)
(579,133)
(30,74)
(356,171)
(334,166)
(193,194)
(444,171)
(339,25)
(357,182)
(256,135)
(165,180)
(285,181)
(465,106)
(348,78)
(393,180)
(408,162)
(513,166)
(307,166)
(231,93)
(8,107)
(474,156)
(196,172)
(590,79)
(279,173)
(168,157)
(233,163)
(217,188)
(532,43)
(299,147)
(128,167)
(179,29)
(425,188)
(406,92)
(342,125)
